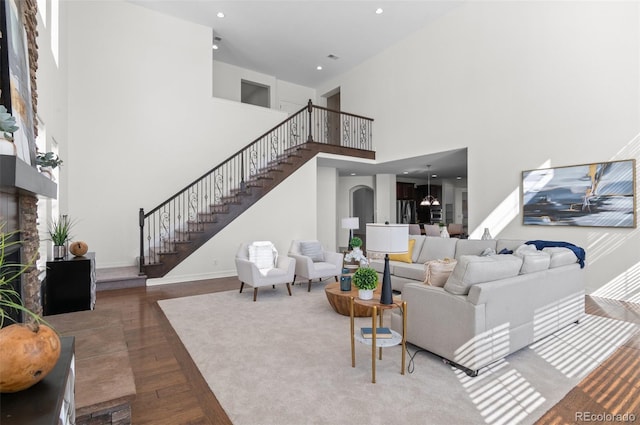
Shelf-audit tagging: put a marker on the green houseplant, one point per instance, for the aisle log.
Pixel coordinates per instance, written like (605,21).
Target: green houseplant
(7,128)
(7,124)
(356,256)
(366,280)
(48,159)
(59,232)
(28,351)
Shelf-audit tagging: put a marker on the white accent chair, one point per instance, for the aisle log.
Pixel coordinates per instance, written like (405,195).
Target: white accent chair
(256,268)
(322,264)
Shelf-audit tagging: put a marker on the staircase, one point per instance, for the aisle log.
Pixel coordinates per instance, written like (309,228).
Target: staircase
(172,231)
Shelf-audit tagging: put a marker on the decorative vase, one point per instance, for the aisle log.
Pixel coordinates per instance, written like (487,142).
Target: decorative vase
(59,252)
(486,235)
(345,283)
(28,353)
(47,171)
(444,233)
(365,294)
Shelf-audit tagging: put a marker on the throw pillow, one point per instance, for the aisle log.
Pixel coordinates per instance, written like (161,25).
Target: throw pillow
(406,256)
(488,251)
(436,272)
(263,254)
(313,250)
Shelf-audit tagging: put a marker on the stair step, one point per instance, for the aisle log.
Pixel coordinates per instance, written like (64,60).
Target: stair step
(230,200)
(204,217)
(119,278)
(219,209)
(240,192)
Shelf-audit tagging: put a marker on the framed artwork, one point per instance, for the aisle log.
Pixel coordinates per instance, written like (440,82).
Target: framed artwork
(15,76)
(597,195)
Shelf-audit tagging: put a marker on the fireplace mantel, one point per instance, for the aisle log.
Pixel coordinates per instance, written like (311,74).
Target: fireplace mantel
(15,174)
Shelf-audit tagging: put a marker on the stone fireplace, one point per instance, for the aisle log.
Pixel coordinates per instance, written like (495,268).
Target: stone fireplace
(20,182)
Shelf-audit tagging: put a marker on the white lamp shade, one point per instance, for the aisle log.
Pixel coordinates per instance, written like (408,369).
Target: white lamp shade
(388,238)
(350,223)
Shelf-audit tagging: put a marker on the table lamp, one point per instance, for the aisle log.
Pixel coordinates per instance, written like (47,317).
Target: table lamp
(350,223)
(390,239)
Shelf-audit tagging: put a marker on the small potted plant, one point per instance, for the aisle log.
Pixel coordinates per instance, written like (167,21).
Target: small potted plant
(355,255)
(7,128)
(59,232)
(47,162)
(366,280)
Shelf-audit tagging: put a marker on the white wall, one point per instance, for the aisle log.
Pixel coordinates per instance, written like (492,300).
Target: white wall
(521,84)
(143,124)
(327,208)
(285,96)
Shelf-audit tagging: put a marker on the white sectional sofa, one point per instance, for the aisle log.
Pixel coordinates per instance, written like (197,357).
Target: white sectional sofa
(490,306)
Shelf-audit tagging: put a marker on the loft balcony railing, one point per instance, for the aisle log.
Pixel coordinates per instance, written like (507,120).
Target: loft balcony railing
(171,222)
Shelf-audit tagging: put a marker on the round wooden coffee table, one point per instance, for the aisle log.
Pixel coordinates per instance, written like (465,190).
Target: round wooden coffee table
(339,300)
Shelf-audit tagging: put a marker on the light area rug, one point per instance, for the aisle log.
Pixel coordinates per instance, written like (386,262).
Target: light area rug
(287,361)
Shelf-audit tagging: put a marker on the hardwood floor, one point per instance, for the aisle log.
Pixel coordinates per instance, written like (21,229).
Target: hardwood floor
(171,391)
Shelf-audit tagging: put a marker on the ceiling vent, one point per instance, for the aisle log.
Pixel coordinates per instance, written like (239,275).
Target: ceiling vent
(334,57)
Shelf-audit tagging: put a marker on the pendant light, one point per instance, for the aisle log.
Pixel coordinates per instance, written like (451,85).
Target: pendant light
(429,200)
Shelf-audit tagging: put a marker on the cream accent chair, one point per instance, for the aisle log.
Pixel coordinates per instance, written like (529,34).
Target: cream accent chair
(256,270)
(327,263)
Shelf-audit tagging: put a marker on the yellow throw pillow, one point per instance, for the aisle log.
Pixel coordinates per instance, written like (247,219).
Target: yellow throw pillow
(405,257)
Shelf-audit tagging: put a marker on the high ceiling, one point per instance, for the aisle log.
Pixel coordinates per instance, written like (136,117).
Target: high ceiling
(290,39)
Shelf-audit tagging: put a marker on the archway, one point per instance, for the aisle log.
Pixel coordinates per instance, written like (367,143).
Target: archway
(362,207)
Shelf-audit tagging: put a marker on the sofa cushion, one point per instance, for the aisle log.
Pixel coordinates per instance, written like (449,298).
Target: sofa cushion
(313,250)
(508,244)
(560,256)
(406,256)
(534,261)
(473,246)
(438,271)
(437,248)
(417,247)
(473,269)
(378,265)
(413,271)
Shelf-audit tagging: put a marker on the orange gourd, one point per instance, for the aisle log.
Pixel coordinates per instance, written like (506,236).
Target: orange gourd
(78,248)
(28,352)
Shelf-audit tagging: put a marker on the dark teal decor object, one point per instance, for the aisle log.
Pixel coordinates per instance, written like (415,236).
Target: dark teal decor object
(345,283)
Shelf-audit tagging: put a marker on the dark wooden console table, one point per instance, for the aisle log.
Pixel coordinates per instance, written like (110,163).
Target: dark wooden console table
(70,285)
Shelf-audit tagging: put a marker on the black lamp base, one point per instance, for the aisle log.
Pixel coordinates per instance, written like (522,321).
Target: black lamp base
(386,296)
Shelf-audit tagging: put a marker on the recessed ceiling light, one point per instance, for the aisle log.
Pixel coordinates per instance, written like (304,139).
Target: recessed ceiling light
(405,172)
(458,178)
(319,68)
(379,11)
(434,176)
(220,15)
(353,174)
(214,47)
